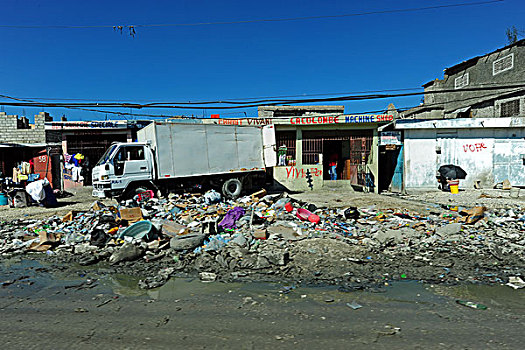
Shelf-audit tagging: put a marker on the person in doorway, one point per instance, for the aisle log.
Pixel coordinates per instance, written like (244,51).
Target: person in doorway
(333,166)
(281,152)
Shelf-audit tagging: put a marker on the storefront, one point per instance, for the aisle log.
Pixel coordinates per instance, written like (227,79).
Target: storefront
(25,163)
(310,146)
(90,139)
(329,150)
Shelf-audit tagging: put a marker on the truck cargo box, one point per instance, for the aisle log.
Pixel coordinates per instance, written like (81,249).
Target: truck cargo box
(202,149)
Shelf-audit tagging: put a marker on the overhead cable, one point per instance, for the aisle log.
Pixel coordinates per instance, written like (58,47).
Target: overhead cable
(248,104)
(132,27)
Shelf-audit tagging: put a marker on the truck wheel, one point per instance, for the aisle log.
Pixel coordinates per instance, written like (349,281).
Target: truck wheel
(232,188)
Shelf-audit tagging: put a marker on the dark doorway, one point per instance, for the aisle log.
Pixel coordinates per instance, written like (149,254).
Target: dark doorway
(390,171)
(332,152)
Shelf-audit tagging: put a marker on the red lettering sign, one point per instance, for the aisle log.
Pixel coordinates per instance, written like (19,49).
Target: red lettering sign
(474,147)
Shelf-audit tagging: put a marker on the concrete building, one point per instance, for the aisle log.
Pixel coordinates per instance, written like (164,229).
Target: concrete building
(481,131)
(311,136)
(490,72)
(490,150)
(90,138)
(22,141)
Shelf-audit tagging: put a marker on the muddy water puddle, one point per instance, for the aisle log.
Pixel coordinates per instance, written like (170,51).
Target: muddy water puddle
(29,276)
(92,307)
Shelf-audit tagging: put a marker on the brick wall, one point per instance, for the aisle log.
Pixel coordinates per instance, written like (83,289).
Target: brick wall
(15,130)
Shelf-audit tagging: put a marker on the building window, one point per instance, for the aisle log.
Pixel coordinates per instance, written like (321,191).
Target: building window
(461,81)
(510,109)
(503,64)
(287,138)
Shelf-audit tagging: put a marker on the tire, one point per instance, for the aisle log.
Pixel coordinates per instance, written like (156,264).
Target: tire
(134,190)
(232,188)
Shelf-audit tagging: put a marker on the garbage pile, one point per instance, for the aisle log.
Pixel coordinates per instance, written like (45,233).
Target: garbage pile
(274,237)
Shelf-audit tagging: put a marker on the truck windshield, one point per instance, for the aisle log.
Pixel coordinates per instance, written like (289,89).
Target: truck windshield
(106,155)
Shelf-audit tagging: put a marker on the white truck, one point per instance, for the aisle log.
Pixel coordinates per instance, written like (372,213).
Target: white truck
(170,156)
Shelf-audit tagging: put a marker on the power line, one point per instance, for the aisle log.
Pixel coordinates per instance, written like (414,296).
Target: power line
(246,104)
(98,100)
(95,100)
(262,20)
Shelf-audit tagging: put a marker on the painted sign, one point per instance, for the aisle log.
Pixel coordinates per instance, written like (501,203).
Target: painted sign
(474,147)
(295,173)
(86,125)
(305,120)
(390,138)
(342,119)
(245,121)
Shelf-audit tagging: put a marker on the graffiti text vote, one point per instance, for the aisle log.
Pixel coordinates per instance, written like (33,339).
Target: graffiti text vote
(474,147)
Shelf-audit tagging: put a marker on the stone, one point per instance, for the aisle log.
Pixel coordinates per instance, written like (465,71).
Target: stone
(276,256)
(207,276)
(128,252)
(449,229)
(240,240)
(389,236)
(186,242)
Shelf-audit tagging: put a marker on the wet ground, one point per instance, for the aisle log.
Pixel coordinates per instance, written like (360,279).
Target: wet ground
(51,304)
(47,307)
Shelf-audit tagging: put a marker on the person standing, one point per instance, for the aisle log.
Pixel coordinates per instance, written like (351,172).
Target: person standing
(281,152)
(333,166)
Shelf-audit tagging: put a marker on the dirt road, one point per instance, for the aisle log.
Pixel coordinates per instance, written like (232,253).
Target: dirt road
(50,309)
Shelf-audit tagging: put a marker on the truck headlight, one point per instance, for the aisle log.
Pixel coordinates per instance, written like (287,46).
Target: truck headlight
(104,177)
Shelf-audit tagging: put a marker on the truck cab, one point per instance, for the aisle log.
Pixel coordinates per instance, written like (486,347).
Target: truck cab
(121,167)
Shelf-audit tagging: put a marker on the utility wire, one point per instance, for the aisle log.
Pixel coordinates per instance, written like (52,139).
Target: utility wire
(247,104)
(97,100)
(32,103)
(229,99)
(131,26)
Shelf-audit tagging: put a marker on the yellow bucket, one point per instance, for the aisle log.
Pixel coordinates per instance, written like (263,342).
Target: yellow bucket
(454,189)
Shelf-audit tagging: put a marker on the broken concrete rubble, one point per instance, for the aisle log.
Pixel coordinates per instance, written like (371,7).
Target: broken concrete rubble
(264,239)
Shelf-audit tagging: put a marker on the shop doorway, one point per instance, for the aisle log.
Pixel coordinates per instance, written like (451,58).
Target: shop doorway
(333,154)
(352,148)
(390,168)
(92,147)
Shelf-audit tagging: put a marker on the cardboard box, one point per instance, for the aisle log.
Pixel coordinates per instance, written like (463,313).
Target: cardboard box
(260,234)
(131,215)
(69,216)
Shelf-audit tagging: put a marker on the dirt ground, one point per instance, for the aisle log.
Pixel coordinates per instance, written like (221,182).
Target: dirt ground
(415,200)
(78,199)
(48,304)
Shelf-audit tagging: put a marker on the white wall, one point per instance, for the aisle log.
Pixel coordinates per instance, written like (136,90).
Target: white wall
(488,155)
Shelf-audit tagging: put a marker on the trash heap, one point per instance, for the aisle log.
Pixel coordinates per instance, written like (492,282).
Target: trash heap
(274,237)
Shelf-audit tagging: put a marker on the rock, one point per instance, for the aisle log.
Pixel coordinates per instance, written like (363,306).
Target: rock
(285,231)
(389,236)
(156,281)
(240,240)
(449,229)
(128,252)
(276,256)
(186,242)
(84,248)
(207,276)
(260,263)
(88,260)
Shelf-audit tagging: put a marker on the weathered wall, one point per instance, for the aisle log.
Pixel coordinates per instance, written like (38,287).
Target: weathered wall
(478,72)
(487,155)
(295,177)
(15,130)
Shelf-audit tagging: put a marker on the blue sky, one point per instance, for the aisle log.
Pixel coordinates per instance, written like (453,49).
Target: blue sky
(236,61)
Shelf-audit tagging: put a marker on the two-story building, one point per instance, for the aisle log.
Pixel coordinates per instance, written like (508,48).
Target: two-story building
(475,118)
